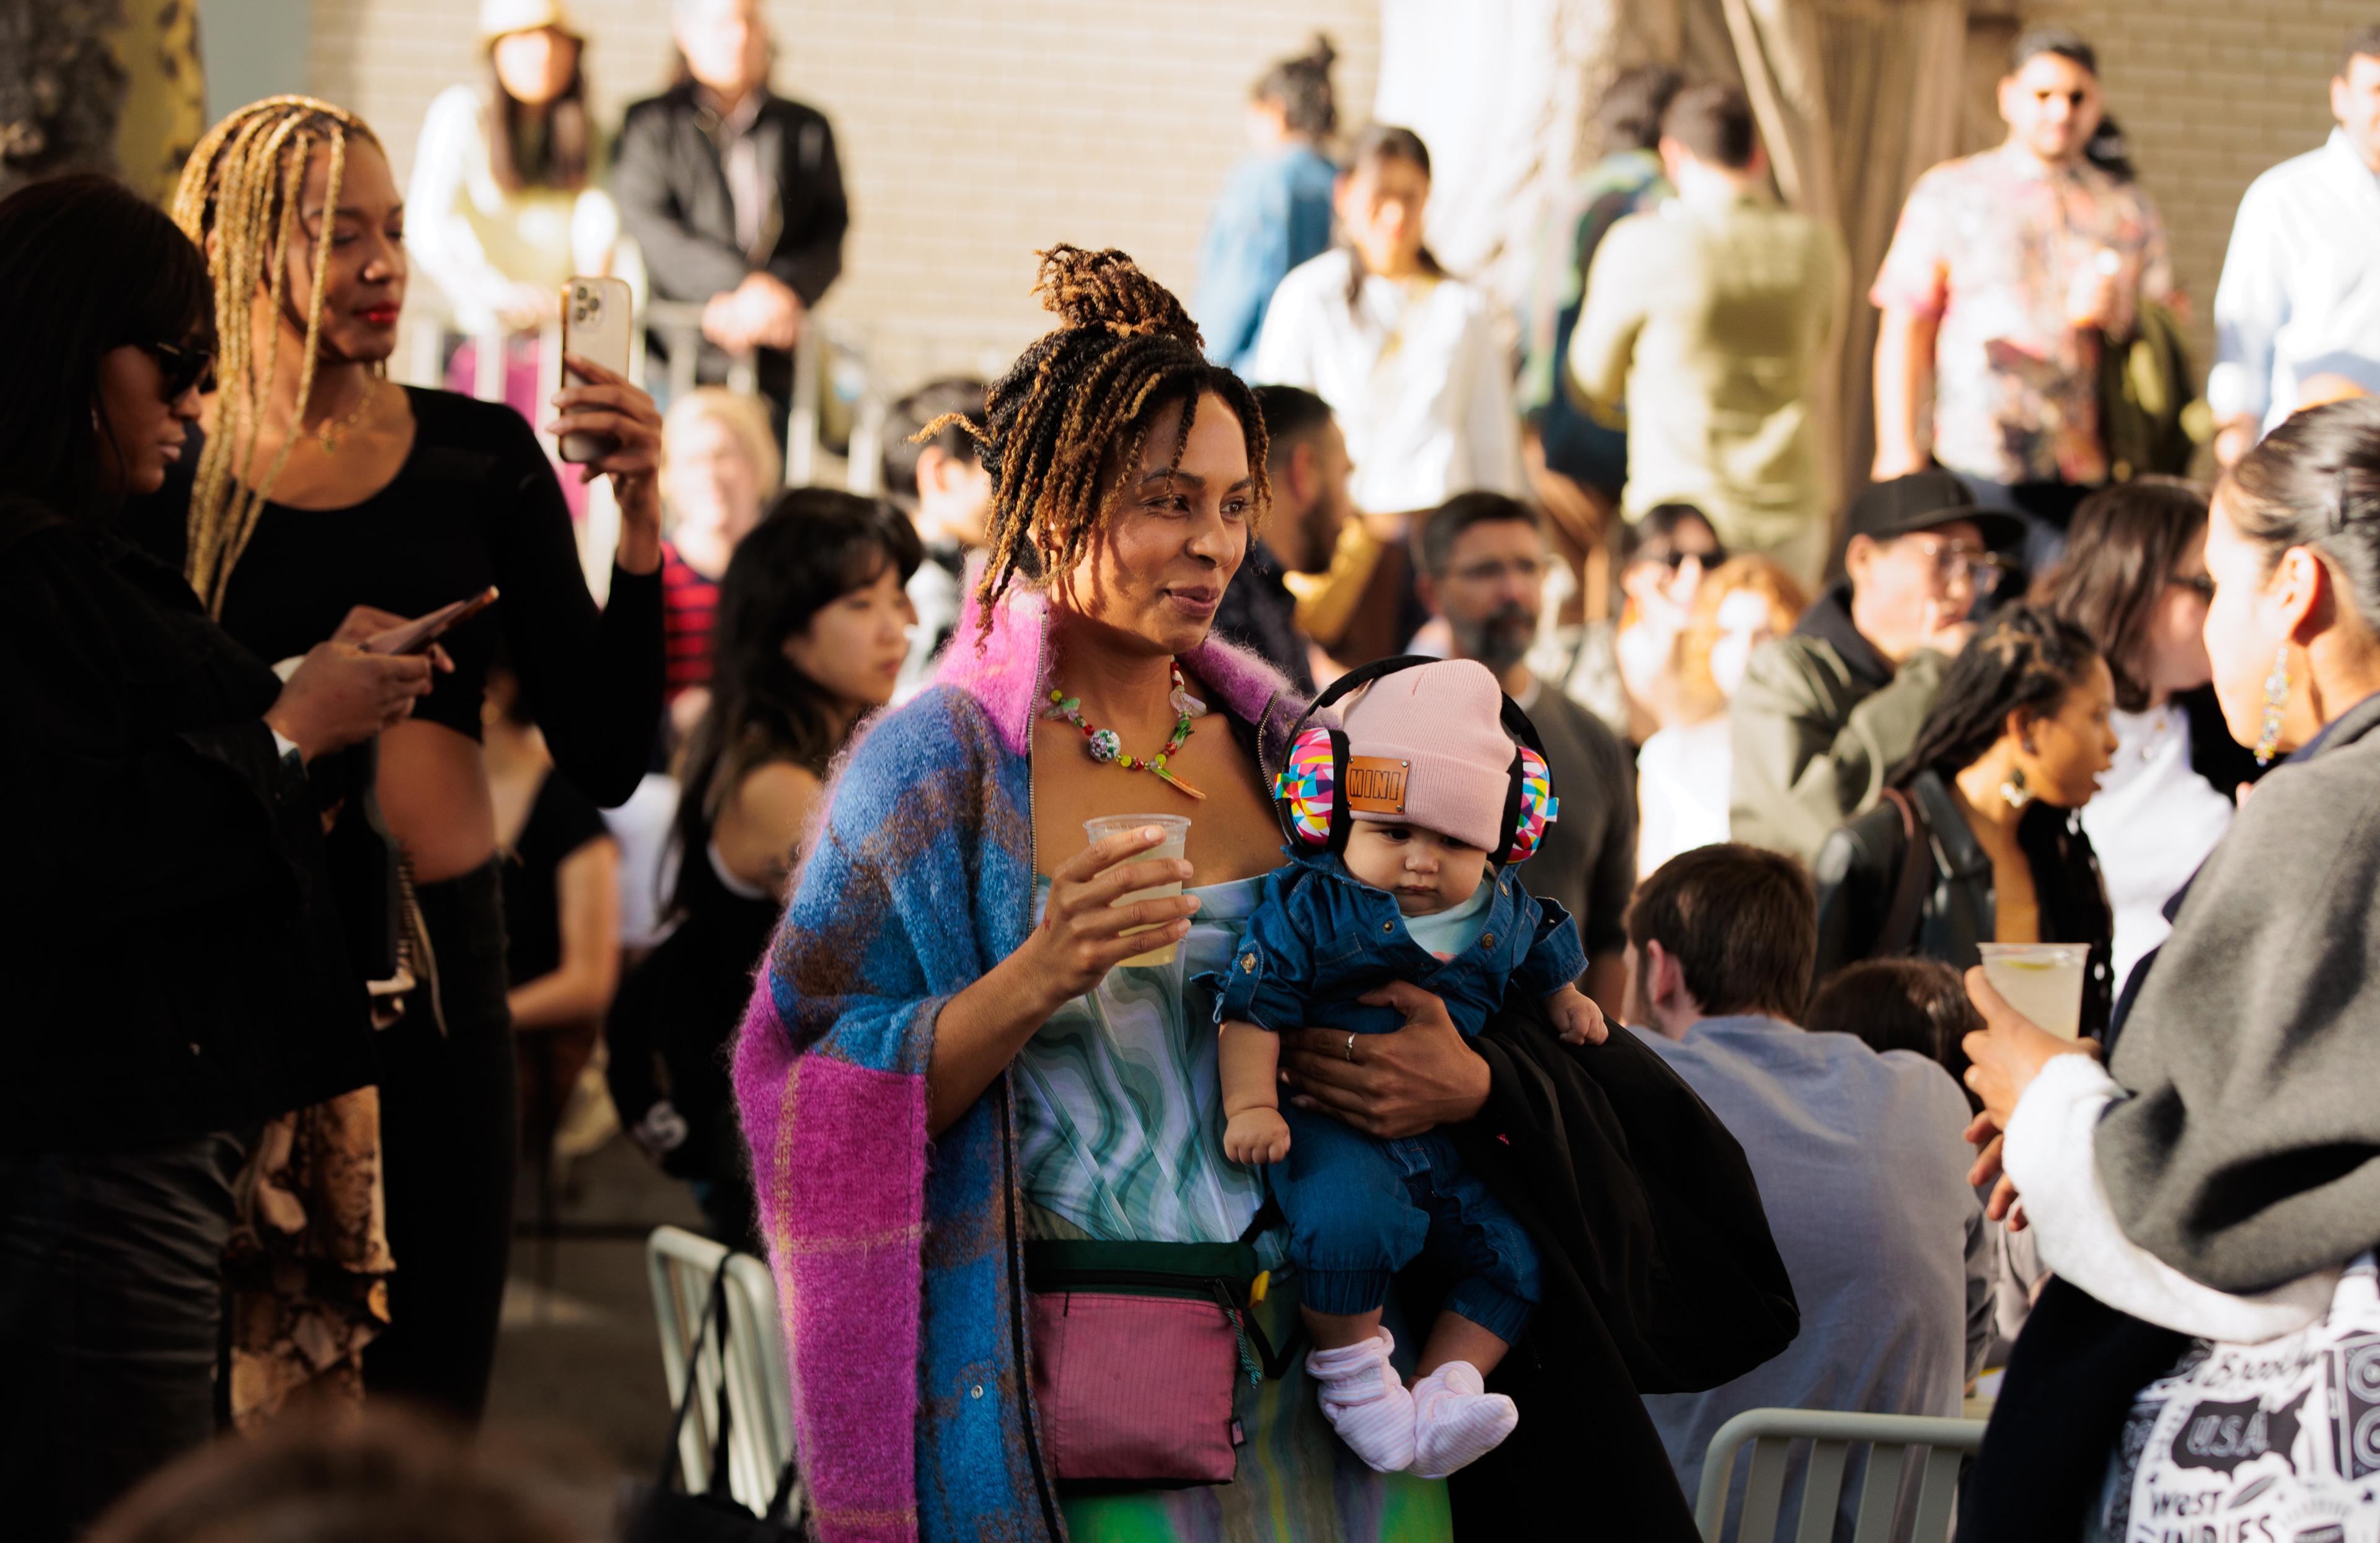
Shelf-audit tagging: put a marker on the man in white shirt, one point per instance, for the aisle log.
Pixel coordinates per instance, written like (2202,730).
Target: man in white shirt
(2296,316)
(1858,1158)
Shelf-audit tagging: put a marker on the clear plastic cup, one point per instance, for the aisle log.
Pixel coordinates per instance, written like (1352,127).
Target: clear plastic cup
(2044,981)
(1177,835)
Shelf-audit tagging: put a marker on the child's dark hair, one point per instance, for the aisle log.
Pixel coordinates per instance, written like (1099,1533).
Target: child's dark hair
(1301,89)
(1900,1004)
(813,546)
(2024,658)
(1080,403)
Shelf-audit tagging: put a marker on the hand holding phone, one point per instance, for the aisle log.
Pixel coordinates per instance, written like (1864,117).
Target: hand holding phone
(416,635)
(598,320)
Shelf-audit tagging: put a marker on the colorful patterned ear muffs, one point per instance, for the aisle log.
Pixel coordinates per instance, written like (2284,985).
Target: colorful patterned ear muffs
(1310,795)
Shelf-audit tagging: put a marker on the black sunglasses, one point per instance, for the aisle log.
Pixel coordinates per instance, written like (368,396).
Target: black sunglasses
(181,366)
(1673,559)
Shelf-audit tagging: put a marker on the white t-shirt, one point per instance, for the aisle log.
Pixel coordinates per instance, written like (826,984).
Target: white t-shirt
(1414,373)
(2152,822)
(1682,782)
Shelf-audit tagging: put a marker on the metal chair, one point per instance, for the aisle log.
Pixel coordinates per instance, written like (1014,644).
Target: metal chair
(759,1397)
(1892,1438)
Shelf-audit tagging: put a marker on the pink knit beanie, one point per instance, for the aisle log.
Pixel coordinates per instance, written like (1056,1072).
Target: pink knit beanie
(1444,722)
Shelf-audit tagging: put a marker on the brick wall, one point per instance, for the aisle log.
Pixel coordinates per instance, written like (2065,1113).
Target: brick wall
(971,133)
(2211,92)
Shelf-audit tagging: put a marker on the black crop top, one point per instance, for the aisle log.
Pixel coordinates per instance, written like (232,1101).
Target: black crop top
(475,503)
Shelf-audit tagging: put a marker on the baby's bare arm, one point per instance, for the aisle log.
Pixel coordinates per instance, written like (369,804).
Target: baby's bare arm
(1247,1060)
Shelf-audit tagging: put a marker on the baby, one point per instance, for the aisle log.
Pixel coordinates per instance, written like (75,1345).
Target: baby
(1426,800)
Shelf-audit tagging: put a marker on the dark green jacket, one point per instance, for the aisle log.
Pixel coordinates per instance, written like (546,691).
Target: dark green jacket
(1821,721)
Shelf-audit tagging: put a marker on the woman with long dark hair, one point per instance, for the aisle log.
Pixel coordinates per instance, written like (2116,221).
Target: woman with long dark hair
(1984,806)
(813,626)
(1405,353)
(2209,1202)
(2134,577)
(506,200)
(174,973)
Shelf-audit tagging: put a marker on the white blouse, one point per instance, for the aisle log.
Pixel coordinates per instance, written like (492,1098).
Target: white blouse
(1682,784)
(474,239)
(2152,822)
(1414,373)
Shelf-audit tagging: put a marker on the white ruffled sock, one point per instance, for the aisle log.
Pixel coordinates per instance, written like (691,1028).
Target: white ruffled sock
(1365,1401)
(1456,1420)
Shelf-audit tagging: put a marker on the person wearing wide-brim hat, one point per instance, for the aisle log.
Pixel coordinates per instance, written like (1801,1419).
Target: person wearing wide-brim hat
(1825,714)
(503,205)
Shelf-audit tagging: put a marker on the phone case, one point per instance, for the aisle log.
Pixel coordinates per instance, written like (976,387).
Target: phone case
(598,320)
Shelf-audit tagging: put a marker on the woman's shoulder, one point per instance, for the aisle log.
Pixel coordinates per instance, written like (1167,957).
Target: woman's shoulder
(938,743)
(455,110)
(449,424)
(1868,846)
(1314,279)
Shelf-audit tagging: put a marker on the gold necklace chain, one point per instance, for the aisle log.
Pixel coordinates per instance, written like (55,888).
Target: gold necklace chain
(327,435)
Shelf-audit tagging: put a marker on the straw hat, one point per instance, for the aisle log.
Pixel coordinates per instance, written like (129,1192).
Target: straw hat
(501,19)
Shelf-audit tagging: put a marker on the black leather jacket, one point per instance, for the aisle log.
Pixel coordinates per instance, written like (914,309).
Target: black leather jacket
(1859,865)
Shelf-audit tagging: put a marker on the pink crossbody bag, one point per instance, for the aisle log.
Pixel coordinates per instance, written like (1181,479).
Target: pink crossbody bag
(1137,1350)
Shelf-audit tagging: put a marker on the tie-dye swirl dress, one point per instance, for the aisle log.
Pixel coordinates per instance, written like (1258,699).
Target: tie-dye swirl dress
(1121,1137)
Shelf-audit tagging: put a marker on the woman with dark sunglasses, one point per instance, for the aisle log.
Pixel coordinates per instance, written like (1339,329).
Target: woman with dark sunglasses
(174,975)
(2134,577)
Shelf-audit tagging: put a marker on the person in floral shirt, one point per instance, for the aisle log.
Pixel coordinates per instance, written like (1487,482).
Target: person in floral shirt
(2008,269)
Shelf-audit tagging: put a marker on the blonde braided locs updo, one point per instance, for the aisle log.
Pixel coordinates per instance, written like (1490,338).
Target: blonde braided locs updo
(238,201)
(1075,412)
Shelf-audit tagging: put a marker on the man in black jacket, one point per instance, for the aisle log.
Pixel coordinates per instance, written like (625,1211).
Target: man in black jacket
(735,195)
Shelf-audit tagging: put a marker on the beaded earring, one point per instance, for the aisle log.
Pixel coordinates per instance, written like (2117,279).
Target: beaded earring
(2277,698)
(2013,791)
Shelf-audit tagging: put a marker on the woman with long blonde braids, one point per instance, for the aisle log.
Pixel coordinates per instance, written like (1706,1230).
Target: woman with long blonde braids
(326,501)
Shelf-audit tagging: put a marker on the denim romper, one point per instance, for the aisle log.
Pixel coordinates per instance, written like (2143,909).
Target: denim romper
(1360,1209)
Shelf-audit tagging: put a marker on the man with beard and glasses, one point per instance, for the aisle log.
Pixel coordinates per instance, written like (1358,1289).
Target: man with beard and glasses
(1483,566)
(1308,465)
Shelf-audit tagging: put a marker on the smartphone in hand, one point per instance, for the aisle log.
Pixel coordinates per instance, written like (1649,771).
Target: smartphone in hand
(598,320)
(416,635)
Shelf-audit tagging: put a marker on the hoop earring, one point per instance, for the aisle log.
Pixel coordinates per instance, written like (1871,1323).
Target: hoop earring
(2277,698)
(2013,791)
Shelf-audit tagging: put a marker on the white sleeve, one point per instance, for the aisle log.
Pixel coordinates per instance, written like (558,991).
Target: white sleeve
(2050,1154)
(1492,429)
(1285,346)
(437,236)
(2251,303)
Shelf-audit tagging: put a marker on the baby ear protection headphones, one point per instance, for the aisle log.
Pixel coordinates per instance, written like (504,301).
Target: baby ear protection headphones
(1314,792)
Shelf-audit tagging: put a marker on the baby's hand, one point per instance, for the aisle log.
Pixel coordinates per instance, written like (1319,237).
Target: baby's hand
(1255,1136)
(1576,1017)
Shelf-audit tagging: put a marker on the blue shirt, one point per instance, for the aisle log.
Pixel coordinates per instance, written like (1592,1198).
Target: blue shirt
(1863,1177)
(1319,938)
(1274,213)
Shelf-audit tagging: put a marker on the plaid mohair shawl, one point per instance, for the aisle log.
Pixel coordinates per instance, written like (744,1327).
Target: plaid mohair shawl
(898,1264)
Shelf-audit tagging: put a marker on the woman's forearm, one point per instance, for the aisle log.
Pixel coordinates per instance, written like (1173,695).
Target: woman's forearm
(977,1034)
(2051,1155)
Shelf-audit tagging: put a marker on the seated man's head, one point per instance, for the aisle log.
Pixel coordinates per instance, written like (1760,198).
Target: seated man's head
(1718,932)
(1664,553)
(940,478)
(719,466)
(1430,773)
(1709,142)
(1919,556)
(1483,568)
(1307,459)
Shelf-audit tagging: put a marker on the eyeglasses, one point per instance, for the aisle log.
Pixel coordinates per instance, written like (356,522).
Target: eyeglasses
(1527,569)
(181,366)
(1981,569)
(1675,558)
(2199,584)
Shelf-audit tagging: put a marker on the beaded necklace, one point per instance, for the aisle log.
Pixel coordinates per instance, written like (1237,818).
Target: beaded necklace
(1106,746)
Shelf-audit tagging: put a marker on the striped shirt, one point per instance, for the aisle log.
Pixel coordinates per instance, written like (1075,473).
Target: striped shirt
(689,602)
